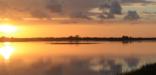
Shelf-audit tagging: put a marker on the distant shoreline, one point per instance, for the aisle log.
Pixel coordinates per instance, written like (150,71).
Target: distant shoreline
(77,39)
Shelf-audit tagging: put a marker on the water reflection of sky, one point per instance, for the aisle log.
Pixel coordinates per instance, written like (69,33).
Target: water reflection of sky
(42,58)
(72,66)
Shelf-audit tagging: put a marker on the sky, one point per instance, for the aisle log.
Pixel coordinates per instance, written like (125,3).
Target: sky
(26,8)
(44,8)
(39,8)
(18,9)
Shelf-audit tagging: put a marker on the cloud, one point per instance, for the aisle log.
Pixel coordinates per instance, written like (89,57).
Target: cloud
(39,14)
(29,8)
(54,6)
(45,8)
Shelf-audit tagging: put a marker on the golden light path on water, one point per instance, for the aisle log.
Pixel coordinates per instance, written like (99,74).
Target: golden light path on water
(6,50)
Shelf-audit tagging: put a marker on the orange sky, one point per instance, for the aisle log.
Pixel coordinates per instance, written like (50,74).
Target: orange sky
(49,29)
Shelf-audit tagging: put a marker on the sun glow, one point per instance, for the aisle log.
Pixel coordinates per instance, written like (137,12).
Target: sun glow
(7,28)
(6,51)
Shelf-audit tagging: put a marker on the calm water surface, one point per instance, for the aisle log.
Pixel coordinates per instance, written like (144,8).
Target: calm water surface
(44,58)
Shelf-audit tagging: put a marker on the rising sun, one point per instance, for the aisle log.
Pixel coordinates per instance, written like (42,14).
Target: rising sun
(7,28)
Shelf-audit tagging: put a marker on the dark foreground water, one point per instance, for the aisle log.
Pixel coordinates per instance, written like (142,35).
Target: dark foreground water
(101,58)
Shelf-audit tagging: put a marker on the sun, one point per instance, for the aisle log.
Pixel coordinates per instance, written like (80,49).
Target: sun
(7,28)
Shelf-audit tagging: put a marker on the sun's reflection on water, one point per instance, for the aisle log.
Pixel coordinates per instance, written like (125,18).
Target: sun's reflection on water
(6,50)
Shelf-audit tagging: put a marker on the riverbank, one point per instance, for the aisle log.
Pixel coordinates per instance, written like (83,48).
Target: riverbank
(145,70)
(77,38)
